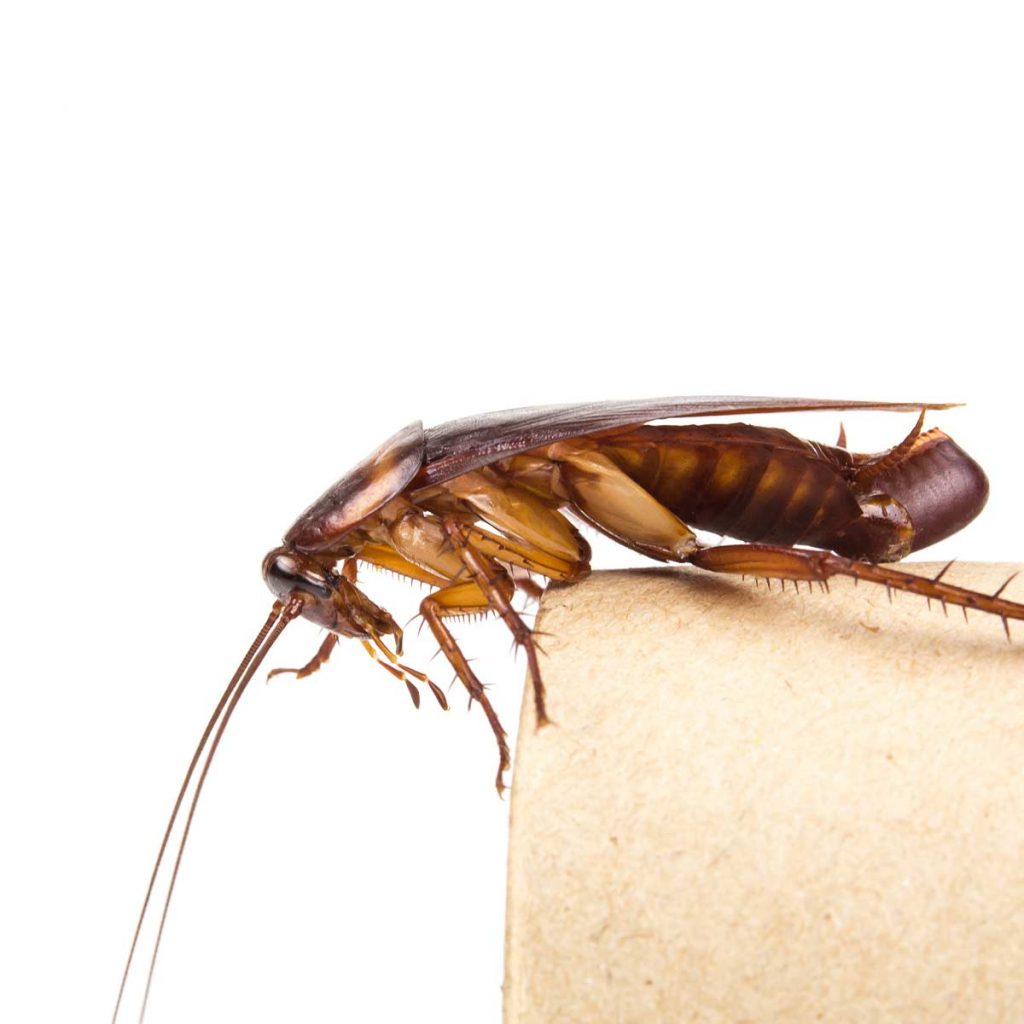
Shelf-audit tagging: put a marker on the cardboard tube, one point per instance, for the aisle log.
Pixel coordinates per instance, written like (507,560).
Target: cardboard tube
(753,806)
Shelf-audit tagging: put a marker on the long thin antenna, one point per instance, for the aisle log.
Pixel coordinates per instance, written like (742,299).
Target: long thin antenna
(228,700)
(291,610)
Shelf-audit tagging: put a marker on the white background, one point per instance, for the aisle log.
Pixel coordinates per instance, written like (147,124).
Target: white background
(243,243)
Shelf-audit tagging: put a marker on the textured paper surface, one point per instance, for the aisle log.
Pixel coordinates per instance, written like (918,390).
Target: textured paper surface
(764,806)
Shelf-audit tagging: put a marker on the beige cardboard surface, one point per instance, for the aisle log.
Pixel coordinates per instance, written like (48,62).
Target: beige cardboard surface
(769,807)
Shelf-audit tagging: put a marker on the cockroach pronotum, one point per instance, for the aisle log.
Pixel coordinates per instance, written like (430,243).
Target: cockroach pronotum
(476,508)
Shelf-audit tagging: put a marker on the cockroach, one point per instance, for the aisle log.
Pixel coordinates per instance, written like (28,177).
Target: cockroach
(476,508)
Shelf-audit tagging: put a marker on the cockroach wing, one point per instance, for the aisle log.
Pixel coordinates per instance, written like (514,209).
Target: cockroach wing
(467,444)
(381,476)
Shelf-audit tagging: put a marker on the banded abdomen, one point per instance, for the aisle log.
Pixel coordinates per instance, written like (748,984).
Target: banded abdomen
(750,483)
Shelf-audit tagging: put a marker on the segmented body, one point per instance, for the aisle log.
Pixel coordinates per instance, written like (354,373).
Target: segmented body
(751,483)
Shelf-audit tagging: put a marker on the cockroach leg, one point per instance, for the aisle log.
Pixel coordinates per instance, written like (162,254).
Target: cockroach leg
(314,664)
(462,599)
(400,671)
(618,506)
(525,582)
(396,672)
(531,559)
(385,557)
(498,587)
(513,510)
(772,560)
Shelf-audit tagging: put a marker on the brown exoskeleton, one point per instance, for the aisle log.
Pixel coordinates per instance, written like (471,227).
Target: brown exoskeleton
(474,508)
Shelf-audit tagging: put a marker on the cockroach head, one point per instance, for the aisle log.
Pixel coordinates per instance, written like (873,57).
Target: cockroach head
(329,599)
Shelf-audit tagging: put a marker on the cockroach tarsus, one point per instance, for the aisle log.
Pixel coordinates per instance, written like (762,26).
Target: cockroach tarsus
(476,508)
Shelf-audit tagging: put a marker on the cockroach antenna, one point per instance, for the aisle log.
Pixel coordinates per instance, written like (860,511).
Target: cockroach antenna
(280,616)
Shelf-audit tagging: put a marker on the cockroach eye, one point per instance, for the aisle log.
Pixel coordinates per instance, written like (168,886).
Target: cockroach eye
(284,575)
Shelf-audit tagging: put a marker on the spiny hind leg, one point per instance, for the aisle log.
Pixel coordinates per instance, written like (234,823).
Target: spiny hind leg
(787,563)
(498,587)
(465,599)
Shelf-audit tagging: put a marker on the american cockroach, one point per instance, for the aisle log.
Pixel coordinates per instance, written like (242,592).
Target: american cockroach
(478,507)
